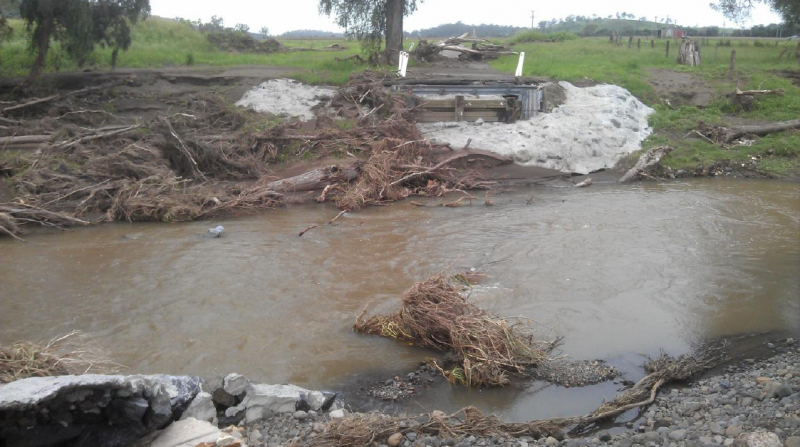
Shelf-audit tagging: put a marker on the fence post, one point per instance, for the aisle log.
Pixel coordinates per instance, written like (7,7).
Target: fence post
(630,42)
(733,64)
(652,43)
(667,49)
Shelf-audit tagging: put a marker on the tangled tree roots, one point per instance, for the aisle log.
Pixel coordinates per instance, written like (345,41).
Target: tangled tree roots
(373,427)
(67,354)
(435,314)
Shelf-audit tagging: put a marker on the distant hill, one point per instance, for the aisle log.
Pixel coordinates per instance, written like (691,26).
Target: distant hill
(458,28)
(310,34)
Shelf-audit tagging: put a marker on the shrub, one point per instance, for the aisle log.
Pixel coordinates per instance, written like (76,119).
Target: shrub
(537,36)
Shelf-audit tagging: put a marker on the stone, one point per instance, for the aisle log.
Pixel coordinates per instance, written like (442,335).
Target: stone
(202,408)
(759,439)
(784,390)
(411,436)
(604,436)
(792,441)
(300,415)
(733,431)
(715,428)
(223,398)
(228,441)
(677,435)
(318,427)
(763,380)
(235,384)
(255,436)
(336,414)
(551,441)
(187,433)
(394,440)
(275,398)
(159,415)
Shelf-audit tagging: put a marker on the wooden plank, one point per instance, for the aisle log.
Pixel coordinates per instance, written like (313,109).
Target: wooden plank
(470,114)
(468,103)
(459,108)
(435,119)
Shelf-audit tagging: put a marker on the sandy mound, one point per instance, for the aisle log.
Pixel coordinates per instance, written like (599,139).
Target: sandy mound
(285,97)
(595,128)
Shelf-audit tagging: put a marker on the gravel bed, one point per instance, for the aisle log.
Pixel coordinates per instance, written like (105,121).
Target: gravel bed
(747,405)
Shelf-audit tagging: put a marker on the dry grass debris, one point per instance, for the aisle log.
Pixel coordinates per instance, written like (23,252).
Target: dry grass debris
(67,354)
(436,314)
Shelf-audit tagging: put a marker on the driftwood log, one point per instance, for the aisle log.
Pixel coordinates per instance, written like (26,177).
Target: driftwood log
(689,53)
(735,132)
(316,179)
(647,162)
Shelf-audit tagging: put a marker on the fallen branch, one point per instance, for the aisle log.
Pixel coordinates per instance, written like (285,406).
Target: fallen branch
(584,183)
(316,179)
(95,136)
(779,92)
(647,161)
(759,129)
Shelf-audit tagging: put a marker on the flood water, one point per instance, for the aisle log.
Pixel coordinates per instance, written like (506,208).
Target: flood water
(615,270)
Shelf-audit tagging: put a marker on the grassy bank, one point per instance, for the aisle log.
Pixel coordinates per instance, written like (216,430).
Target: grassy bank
(161,43)
(757,67)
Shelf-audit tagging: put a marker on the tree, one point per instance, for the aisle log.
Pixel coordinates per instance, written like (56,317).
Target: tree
(370,21)
(543,24)
(242,28)
(739,10)
(589,29)
(79,25)
(9,9)
(264,32)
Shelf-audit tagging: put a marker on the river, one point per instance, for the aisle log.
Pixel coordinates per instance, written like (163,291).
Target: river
(615,270)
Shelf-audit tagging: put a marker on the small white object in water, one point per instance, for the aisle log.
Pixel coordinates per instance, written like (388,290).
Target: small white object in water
(216,232)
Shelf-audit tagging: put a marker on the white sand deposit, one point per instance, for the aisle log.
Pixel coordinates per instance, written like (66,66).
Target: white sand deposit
(285,97)
(594,128)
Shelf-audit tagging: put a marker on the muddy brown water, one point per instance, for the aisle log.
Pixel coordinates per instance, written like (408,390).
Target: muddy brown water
(616,270)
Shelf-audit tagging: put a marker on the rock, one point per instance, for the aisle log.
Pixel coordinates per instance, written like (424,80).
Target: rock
(128,411)
(792,441)
(274,398)
(160,412)
(771,345)
(762,380)
(715,428)
(235,384)
(318,427)
(228,441)
(604,436)
(202,408)
(394,440)
(336,414)
(733,431)
(411,436)
(187,433)
(677,435)
(759,439)
(255,436)
(300,415)
(551,441)
(222,397)
(784,390)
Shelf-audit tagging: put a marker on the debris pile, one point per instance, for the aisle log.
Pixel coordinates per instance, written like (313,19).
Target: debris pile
(480,49)
(435,314)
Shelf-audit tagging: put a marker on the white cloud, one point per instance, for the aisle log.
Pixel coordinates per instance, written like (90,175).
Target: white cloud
(282,16)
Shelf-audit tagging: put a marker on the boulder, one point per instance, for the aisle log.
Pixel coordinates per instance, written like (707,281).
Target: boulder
(275,398)
(758,439)
(235,384)
(91,409)
(188,432)
(202,408)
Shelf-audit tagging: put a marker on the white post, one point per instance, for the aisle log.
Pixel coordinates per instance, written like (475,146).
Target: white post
(411,47)
(519,65)
(403,64)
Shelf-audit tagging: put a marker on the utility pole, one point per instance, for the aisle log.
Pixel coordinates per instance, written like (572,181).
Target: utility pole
(532,20)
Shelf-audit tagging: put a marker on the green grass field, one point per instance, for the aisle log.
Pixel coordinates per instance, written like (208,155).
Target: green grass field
(161,42)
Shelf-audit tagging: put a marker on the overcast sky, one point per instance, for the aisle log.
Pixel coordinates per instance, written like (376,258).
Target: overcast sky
(286,15)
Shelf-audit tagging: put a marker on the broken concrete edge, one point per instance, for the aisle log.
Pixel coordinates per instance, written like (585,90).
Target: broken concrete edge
(99,408)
